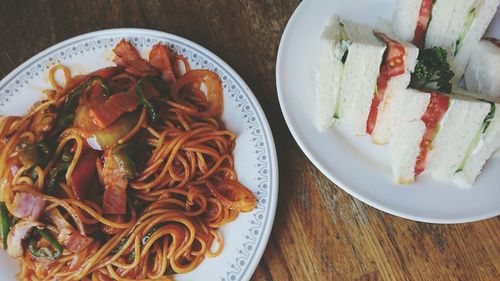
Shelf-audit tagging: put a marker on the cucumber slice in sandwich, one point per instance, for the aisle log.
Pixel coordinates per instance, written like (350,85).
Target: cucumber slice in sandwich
(479,134)
(346,73)
(341,53)
(329,74)
(454,25)
(483,13)
(485,143)
(465,29)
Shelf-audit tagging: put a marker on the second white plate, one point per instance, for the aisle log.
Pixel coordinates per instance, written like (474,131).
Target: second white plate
(353,163)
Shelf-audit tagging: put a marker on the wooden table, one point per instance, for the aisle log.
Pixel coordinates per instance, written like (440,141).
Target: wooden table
(320,232)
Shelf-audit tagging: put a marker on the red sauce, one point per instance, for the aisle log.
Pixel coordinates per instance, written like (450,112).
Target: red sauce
(422,23)
(393,65)
(81,182)
(435,111)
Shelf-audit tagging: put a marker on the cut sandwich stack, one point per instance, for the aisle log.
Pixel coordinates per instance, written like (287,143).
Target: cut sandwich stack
(426,124)
(347,75)
(358,72)
(455,25)
(362,82)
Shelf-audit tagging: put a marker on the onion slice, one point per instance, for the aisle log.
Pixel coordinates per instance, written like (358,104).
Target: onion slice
(233,195)
(213,89)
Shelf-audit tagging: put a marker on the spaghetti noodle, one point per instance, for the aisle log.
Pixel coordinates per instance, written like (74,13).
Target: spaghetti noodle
(122,174)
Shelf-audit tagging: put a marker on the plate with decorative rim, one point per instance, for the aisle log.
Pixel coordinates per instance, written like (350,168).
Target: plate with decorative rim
(255,155)
(353,163)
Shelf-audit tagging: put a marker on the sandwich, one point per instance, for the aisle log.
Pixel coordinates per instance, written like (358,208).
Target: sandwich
(357,74)
(449,137)
(399,61)
(362,80)
(482,74)
(484,144)
(405,144)
(454,25)
(349,59)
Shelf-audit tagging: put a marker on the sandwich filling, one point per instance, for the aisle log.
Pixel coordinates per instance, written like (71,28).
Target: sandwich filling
(493,40)
(341,53)
(465,29)
(438,105)
(482,130)
(424,18)
(393,64)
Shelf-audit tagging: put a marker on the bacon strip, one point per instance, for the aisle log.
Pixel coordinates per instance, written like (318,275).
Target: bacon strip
(108,112)
(68,236)
(129,58)
(28,206)
(73,240)
(115,194)
(159,57)
(96,94)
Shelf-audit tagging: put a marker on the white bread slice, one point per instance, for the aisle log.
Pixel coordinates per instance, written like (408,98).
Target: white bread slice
(384,26)
(483,71)
(386,112)
(486,10)
(457,129)
(409,106)
(488,143)
(361,71)
(448,17)
(405,19)
(326,76)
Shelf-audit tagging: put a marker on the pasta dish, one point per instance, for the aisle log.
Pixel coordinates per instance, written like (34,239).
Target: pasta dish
(125,173)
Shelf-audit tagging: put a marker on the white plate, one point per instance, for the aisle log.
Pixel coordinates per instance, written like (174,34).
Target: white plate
(255,157)
(353,163)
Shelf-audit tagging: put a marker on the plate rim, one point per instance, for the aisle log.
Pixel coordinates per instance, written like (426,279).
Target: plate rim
(267,132)
(323,169)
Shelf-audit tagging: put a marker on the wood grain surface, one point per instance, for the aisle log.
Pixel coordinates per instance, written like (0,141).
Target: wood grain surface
(320,232)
